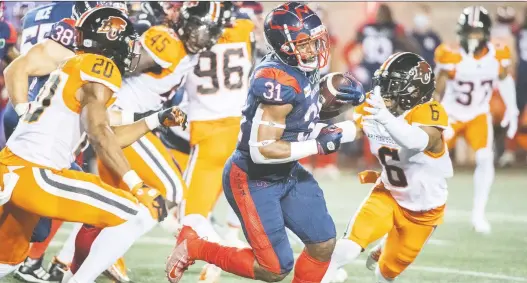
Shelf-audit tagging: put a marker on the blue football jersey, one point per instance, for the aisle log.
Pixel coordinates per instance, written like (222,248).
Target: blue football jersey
(47,21)
(276,83)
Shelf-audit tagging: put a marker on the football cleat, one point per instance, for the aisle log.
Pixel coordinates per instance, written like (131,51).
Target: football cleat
(32,271)
(117,272)
(57,269)
(179,261)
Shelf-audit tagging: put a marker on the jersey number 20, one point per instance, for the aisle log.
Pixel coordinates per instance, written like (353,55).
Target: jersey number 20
(395,174)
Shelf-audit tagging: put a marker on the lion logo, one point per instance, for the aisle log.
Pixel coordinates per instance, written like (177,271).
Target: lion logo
(112,27)
(422,71)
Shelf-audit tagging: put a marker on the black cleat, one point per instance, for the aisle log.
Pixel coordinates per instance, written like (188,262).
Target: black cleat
(31,271)
(57,270)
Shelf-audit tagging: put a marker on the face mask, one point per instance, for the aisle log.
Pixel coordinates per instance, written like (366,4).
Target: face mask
(421,21)
(472,45)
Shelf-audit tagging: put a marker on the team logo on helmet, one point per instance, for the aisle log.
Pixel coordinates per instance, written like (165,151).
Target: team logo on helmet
(422,71)
(113,26)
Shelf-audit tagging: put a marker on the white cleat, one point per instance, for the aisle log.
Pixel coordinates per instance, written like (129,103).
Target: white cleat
(481,225)
(210,274)
(506,159)
(340,276)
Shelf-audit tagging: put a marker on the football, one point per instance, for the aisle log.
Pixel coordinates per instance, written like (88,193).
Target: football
(329,88)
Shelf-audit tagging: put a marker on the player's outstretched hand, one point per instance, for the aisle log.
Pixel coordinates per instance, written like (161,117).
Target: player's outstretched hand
(152,200)
(172,117)
(352,92)
(377,108)
(328,140)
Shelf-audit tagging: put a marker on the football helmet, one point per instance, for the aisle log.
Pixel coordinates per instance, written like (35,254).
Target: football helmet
(200,24)
(296,34)
(80,7)
(473,29)
(406,80)
(108,31)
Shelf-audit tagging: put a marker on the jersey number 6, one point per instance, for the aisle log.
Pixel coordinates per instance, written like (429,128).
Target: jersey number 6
(395,174)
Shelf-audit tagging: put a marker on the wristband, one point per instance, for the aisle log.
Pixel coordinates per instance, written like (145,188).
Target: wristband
(21,108)
(303,149)
(152,121)
(127,117)
(131,179)
(349,131)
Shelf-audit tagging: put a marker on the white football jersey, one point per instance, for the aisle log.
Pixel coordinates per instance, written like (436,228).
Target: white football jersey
(51,134)
(144,92)
(219,84)
(416,180)
(472,81)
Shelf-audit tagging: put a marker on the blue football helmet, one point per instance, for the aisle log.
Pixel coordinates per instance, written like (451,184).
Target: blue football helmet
(297,36)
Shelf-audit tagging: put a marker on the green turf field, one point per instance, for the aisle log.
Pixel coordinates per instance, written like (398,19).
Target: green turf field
(454,254)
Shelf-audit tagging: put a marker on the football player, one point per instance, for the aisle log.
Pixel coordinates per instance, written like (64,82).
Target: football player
(38,153)
(404,127)
(47,41)
(262,180)
(466,77)
(169,51)
(216,92)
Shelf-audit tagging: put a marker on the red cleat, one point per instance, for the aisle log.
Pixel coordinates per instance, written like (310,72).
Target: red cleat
(179,261)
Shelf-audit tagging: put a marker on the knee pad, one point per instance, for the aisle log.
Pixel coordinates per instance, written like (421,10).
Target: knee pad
(484,156)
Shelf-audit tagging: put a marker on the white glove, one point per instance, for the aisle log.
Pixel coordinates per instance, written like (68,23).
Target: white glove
(510,118)
(378,109)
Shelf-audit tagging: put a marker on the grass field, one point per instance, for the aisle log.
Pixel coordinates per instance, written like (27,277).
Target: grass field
(454,254)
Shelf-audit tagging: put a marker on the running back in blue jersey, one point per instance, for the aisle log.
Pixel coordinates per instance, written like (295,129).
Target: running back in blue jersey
(274,82)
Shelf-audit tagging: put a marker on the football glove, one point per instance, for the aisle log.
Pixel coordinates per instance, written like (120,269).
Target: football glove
(328,140)
(152,200)
(377,108)
(172,117)
(353,93)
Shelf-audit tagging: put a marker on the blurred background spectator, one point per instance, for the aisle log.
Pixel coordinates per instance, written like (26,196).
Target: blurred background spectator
(380,30)
(424,34)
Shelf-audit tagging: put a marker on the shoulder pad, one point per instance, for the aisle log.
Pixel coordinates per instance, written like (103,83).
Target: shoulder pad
(428,114)
(446,56)
(63,32)
(163,46)
(275,86)
(240,32)
(99,69)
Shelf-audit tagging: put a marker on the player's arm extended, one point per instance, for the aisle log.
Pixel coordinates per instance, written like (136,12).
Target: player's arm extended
(507,89)
(40,60)
(267,147)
